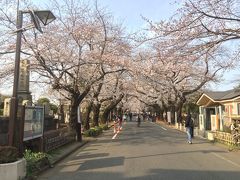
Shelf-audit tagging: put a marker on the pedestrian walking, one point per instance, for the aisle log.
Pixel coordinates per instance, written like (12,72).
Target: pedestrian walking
(119,123)
(192,127)
(115,124)
(130,116)
(138,120)
(124,117)
(189,127)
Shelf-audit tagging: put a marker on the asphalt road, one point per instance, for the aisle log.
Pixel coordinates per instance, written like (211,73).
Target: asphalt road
(147,152)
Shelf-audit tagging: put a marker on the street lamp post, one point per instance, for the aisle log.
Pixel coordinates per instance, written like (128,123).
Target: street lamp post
(45,17)
(14,100)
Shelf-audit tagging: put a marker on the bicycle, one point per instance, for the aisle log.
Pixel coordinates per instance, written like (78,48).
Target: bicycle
(236,135)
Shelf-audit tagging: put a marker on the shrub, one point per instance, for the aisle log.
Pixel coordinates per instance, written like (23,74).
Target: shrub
(1,112)
(35,161)
(93,132)
(90,132)
(98,129)
(8,154)
(104,127)
(226,129)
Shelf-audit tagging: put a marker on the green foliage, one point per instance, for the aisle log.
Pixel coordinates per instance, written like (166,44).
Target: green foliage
(35,161)
(190,106)
(1,112)
(1,105)
(104,127)
(42,101)
(53,107)
(226,129)
(8,154)
(93,132)
(99,129)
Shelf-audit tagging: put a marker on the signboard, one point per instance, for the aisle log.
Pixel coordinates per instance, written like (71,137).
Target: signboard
(33,122)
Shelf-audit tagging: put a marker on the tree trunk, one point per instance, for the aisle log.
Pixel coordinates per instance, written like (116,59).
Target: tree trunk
(87,116)
(179,112)
(61,114)
(74,118)
(96,111)
(106,112)
(110,107)
(165,114)
(173,114)
(161,114)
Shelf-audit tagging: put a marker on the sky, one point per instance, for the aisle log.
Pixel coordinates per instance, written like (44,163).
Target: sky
(129,13)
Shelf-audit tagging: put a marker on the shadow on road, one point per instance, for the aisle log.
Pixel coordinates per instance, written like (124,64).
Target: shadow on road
(176,153)
(102,163)
(86,156)
(146,153)
(158,174)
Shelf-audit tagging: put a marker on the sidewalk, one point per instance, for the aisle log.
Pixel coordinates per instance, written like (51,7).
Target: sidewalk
(182,129)
(60,153)
(225,146)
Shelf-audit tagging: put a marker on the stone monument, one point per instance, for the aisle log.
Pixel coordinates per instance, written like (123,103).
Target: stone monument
(24,95)
(6,110)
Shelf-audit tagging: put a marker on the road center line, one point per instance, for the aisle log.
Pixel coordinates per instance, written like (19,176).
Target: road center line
(229,161)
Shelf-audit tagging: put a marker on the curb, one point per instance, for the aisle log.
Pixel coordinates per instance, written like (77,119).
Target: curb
(64,155)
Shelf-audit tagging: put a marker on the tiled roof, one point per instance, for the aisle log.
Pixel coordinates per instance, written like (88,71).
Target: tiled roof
(223,95)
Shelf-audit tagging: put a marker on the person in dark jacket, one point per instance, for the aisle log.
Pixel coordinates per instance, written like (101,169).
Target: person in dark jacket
(138,120)
(189,127)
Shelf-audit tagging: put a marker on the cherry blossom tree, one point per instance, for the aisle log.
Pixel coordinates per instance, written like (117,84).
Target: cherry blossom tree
(83,46)
(76,51)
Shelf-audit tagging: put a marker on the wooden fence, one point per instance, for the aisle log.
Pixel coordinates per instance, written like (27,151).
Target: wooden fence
(224,137)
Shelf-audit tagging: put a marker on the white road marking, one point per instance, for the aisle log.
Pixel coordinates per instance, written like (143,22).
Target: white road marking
(229,161)
(115,135)
(159,125)
(163,128)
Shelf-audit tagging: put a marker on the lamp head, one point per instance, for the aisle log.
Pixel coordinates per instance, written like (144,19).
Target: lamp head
(45,16)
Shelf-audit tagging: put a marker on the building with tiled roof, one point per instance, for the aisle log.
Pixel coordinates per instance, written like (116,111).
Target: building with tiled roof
(218,109)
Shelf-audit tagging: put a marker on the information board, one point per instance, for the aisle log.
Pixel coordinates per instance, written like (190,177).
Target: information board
(33,122)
